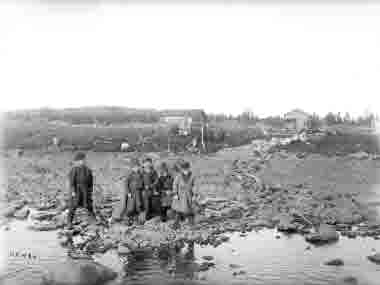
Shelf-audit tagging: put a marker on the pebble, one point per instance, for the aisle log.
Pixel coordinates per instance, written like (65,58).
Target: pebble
(335,262)
(241,272)
(375,258)
(208,257)
(234,266)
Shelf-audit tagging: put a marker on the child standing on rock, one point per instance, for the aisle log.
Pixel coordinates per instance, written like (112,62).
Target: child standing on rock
(81,183)
(165,189)
(131,198)
(183,194)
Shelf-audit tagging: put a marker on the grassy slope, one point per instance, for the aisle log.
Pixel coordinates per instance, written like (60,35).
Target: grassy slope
(39,134)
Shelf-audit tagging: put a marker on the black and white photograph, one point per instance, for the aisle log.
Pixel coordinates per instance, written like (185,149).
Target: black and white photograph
(179,142)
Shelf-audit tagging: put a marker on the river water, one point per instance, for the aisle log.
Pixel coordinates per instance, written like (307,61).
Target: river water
(264,257)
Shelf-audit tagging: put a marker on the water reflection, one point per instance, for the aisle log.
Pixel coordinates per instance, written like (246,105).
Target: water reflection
(178,262)
(264,258)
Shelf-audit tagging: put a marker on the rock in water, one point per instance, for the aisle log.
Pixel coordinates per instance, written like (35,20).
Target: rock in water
(325,234)
(78,272)
(22,214)
(374,258)
(208,257)
(350,280)
(335,262)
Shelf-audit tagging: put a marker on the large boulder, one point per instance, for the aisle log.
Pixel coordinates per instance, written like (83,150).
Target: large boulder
(325,234)
(78,272)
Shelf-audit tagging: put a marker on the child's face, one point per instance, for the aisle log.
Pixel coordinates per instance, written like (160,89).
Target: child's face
(185,171)
(147,166)
(80,162)
(164,172)
(135,168)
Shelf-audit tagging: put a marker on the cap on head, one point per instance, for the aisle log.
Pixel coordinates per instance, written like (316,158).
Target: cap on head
(185,165)
(79,156)
(147,159)
(178,163)
(164,166)
(135,162)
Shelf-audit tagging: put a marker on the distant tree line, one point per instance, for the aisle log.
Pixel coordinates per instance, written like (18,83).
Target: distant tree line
(90,115)
(316,121)
(118,115)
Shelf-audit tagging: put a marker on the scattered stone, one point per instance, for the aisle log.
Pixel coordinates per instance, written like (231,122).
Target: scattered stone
(43,226)
(42,215)
(78,272)
(325,234)
(335,262)
(261,223)
(308,247)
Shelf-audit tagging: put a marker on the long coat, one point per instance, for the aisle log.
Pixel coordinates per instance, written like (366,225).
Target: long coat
(150,180)
(132,185)
(183,189)
(81,185)
(165,189)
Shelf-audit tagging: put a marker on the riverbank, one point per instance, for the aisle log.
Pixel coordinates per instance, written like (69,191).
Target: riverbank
(241,190)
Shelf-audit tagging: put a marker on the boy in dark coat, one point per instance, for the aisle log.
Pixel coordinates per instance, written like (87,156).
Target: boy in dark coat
(165,189)
(131,197)
(81,183)
(150,179)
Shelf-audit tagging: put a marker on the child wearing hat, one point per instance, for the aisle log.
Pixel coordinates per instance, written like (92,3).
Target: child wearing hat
(165,189)
(81,184)
(131,198)
(183,193)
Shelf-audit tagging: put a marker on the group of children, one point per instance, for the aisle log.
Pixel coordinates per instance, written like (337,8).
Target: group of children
(147,192)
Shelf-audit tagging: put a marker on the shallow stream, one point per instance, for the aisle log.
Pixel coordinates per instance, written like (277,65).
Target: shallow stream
(264,257)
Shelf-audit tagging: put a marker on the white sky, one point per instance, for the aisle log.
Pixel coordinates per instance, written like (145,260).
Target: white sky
(222,58)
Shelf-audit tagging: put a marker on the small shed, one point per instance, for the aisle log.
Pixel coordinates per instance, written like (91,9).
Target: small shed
(297,120)
(184,119)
